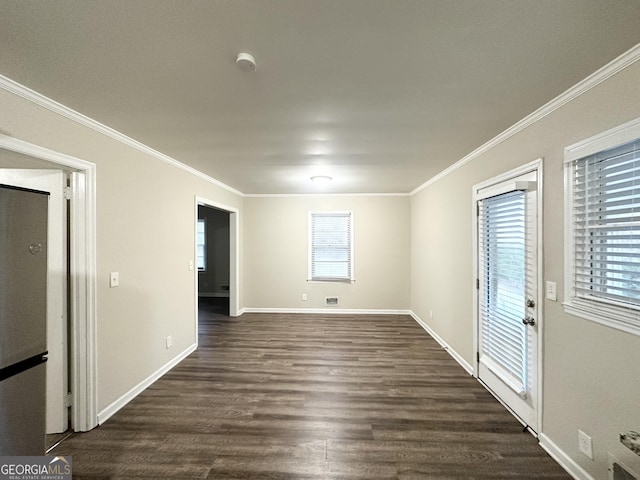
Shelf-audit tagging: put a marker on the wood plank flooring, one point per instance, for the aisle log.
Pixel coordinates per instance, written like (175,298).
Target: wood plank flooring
(284,397)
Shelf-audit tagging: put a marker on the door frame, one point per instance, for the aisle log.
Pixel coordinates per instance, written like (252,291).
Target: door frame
(234,255)
(536,166)
(82,257)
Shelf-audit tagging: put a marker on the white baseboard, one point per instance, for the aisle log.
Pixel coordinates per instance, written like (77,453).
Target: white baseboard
(456,356)
(564,460)
(327,310)
(105,414)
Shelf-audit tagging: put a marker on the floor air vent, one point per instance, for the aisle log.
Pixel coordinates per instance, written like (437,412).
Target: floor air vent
(331,301)
(619,471)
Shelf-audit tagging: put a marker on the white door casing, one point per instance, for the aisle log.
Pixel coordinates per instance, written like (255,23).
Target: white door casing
(507,315)
(82,295)
(52,181)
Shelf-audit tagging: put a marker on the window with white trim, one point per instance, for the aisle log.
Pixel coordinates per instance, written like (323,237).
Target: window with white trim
(331,246)
(603,218)
(201,245)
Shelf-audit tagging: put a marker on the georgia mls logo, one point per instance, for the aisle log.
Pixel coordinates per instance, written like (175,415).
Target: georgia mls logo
(35,468)
(60,466)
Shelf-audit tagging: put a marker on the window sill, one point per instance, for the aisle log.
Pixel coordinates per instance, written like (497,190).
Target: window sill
(328,280)
(609,315)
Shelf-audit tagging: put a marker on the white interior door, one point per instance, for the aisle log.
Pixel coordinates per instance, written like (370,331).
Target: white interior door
(508,293)
(52,181)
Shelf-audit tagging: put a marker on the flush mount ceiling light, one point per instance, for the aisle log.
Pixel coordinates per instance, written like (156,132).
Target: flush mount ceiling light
(321,179)
(246,62)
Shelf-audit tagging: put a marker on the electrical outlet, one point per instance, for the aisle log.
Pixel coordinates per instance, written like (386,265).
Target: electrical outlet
(114,279)
(304,297)
(169,342)
(191,265)
(585,444)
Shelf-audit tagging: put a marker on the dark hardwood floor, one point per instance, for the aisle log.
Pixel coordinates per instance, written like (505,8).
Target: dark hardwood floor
(284,397)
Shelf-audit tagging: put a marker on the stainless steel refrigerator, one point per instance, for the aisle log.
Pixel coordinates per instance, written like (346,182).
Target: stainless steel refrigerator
(23,316)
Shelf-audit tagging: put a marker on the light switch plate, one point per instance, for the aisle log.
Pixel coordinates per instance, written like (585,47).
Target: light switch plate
(552,291)
(114,279)
(585,444)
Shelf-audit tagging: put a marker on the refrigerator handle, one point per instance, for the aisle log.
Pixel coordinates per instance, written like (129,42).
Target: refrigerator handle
(16,368)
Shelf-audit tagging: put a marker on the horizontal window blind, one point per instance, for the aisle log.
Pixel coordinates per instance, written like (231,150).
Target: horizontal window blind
(331,246)
(606,225)
(201,242)
(503,258)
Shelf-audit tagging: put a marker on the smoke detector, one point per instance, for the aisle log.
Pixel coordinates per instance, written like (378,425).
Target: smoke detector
(246,62)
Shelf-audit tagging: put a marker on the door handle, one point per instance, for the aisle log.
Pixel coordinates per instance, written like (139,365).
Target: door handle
(529,321)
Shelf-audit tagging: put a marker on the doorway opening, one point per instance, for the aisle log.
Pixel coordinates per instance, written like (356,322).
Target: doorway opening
(53,181)
(216,256)
(213,259)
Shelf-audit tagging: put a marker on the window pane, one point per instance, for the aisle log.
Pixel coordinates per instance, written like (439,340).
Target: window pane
(606,224)
(330,246)
(503,276)
(323,254)
(331,270)
(201,244)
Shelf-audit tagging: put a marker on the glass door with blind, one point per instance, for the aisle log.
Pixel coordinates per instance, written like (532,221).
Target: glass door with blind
(507,310)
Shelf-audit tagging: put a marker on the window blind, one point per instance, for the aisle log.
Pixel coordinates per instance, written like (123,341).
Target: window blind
(331,256)
(503,289)
(201,242)
(606,225)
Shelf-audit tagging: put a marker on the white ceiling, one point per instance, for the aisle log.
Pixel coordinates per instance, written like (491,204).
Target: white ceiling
(379,94)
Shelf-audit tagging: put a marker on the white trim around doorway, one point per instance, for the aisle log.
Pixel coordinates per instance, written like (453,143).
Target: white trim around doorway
(234,255)
(537,166)
(83,340)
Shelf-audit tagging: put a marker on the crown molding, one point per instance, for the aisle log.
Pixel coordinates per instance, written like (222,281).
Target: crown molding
(20,90)
(615,66)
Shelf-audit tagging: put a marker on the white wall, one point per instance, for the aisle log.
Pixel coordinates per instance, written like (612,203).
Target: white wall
(276,253)
(145,231)
(591,379)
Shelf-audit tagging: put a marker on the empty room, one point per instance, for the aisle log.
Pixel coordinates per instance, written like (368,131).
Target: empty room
(320,239)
